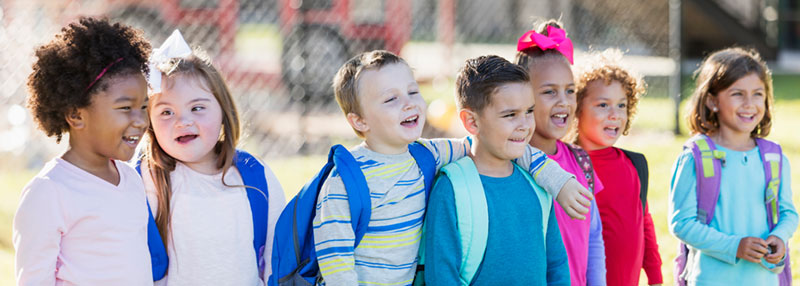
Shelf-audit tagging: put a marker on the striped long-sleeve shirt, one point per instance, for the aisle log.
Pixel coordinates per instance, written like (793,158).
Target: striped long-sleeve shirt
(387,255)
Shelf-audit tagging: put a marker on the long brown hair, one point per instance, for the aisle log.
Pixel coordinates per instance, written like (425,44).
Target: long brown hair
(159,162)
(718,72)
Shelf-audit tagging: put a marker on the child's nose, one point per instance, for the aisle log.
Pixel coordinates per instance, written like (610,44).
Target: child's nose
(140,119)
(184,121)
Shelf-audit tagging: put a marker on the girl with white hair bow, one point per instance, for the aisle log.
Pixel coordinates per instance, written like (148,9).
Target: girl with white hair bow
(214,206)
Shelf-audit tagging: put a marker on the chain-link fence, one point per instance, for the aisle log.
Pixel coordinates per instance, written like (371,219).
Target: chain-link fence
(279,56)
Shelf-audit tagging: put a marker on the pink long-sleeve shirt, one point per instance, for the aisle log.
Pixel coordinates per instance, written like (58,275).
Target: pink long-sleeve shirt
(73,228)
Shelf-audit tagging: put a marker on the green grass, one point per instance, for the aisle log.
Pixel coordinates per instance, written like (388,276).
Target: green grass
(651,135)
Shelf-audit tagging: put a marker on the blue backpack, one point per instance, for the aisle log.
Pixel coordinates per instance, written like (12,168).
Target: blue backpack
(252,172)
(708,165)
(473,217)
(294,259)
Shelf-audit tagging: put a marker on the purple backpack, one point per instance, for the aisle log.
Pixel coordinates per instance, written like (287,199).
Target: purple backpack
(708,164)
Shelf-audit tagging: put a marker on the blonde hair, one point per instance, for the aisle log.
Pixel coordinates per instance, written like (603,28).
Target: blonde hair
(345,83)
(604,66)
(718,72)
(159,162)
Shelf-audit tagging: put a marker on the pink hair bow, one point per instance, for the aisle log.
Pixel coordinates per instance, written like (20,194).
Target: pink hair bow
(557,40)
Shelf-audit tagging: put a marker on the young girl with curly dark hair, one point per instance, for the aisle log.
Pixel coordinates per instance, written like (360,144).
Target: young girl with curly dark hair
(607,95)
(83,219)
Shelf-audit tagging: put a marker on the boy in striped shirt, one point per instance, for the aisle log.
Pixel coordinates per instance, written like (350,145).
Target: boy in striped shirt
(380,98)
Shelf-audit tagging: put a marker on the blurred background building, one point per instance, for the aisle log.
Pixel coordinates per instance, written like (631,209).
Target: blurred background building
(279,55)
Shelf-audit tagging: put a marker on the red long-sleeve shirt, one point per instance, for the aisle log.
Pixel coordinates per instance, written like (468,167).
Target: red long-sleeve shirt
(629,235)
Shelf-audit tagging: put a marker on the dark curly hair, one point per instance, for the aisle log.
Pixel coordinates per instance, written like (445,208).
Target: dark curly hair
(66,67)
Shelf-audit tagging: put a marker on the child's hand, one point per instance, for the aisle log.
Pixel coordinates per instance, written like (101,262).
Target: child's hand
(573,199)
(778,249)
(752,249)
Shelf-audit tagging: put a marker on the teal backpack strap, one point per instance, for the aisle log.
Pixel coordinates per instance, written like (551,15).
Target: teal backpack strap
(545,201)
(472,213)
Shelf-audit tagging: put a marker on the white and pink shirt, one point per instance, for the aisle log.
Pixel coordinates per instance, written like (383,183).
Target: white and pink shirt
(73,228)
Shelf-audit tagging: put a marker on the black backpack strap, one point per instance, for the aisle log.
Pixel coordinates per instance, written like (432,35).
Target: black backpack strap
(584,162)
(640,163)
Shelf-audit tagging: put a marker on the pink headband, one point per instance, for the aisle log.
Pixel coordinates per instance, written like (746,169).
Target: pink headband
(556,40)
(102,73)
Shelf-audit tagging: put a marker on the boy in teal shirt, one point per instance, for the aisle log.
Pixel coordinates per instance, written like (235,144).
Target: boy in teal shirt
(496,106)
(381,101)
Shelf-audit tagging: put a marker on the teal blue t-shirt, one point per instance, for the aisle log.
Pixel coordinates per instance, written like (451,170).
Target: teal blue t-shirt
(515,250)
(740,212)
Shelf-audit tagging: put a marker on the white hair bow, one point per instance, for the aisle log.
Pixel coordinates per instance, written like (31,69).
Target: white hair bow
(174,47)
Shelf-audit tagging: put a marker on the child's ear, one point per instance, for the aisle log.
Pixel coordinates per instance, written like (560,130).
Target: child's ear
(357,122)
(470,120)
(75,118)
(711,102)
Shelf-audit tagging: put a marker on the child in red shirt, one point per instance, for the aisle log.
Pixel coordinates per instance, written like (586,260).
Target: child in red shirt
(607,96)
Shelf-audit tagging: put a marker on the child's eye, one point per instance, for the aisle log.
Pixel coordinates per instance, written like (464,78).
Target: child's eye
(144,107)
(125,108)
(549,92)
(413,92)
(570,91)
(758,94)
(622,105)
(390,99)
(603,105)
(530,111)
(509,115)
(166,112)
(198,108)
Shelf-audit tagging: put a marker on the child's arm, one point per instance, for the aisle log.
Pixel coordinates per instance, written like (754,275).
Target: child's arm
(442,242)
(333,234)
(683,215)
(38,225)
(596,272)
(276,203)
(547,174)
(570,194)
(652,258)
(787,216)
(557,263)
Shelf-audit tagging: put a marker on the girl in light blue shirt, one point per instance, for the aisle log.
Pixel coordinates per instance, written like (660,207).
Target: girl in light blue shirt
(732,106)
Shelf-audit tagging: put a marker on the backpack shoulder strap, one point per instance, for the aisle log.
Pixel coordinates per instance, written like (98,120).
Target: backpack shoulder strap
(640,164)
(357,190)
(708,166)
(252,172)
(158,251)
(584,162)
(472,215)
(426,163)
(545,201)
(771,157)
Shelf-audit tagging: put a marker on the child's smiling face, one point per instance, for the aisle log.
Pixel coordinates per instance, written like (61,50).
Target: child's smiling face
(554,89)
(741,106)
(116,119)
(505,126)
(603,116)
(187,121)
(392,109)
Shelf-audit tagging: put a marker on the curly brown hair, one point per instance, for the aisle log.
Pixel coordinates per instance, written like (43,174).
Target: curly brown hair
(718,72)
(605,66)
(67,66)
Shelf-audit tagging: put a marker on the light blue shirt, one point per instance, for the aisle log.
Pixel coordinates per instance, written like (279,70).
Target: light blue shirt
(740,212)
